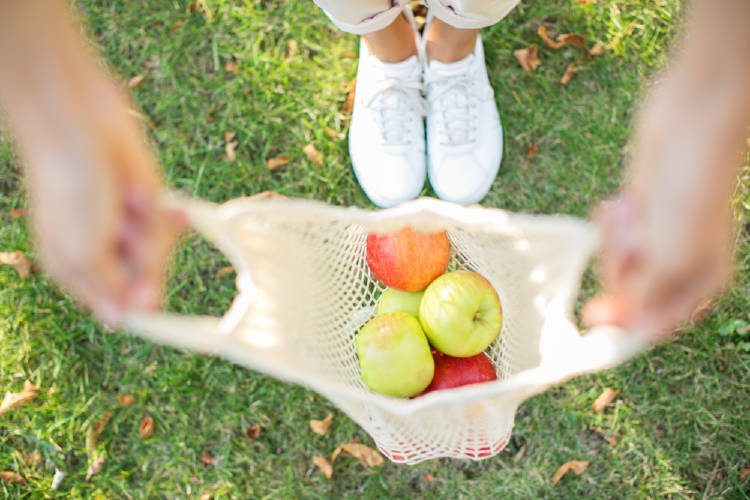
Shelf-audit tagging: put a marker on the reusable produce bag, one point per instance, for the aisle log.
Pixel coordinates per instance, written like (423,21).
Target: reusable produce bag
(304,290)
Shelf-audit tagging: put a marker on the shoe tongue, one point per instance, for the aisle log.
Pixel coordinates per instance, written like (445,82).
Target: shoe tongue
(402,69)
(450,69)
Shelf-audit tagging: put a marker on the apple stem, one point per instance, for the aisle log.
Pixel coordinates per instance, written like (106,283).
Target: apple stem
(478,316)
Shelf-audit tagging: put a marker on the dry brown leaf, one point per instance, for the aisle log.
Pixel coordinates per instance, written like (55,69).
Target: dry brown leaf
(350,92)
(231,67)
(570,71)
(700,311)
(278,161)
(532,150)
(577,466)
(744,473)
(321,426)
(224,270)
(135,81)
(230,146)
(267,195)
(291,49)
(604,399)
(197,6)
(520,454)
(31,458)
(99,426)
(11,477)
(95,467)
(147,427)
(332,133)
(252,431)
(596,50)
(13,399)
(586,2)
(547,39)
(429,478)
(207,458)
(18,212)
(18,261)
(205,496)
(612,441)
(572,39)
(363,453)
(313,154)
(324,466)
(528,58)
(125,399)
(349,54)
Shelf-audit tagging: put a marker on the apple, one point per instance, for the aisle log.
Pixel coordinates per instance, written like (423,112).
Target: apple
(460,313)
(393,299)
(453,372)
(394,355)
(407,260)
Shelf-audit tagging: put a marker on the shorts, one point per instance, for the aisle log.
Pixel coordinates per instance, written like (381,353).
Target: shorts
(360,17)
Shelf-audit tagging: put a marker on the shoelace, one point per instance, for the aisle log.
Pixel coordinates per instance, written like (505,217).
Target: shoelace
(454,98)
(391,98)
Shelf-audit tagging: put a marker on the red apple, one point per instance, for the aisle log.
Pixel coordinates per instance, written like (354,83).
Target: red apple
(453,372)
(408,260)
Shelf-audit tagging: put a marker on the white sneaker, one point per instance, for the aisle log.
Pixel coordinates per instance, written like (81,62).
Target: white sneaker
(464,135)
(386,135)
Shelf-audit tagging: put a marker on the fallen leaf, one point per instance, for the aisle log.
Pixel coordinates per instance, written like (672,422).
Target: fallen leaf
(228,136)
(324,466)
(321,426)
(99,426)
(13,399)
(135,81)
(278,161)
(11,477)
(147,427)
(224,270)
(291,49)
(520,454)
(31,458)
(57,478)
(604,399)
(596,50)
(18,261)
(207,458)
(349,54)
(429,478)
(125,399)
(267,195)
(18,212)
(363,453)
(313,154)
(700,311)
(528,58)
(532,150)
(142,117)
(586,2)
(612,441)
(197,6)
(744,473)
(252,431)
(350,91)
(229,148)
(231,66)
(547,39)
(577,466)
(572,39)
(570,71)
(205,496)
(95,467)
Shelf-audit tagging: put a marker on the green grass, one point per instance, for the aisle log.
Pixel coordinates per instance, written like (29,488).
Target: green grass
(681,420)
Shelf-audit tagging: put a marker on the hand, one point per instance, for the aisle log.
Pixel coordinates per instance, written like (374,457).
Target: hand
(95,207)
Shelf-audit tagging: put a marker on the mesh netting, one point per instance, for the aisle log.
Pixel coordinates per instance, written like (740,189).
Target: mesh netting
(305,290)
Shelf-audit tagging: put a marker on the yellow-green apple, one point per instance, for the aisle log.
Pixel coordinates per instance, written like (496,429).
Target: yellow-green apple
(393,299)
(453,372)
(394,356)
(460,313)
(408,260)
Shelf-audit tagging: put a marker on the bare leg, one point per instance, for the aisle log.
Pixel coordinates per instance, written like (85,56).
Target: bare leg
(448,44)
(394,43)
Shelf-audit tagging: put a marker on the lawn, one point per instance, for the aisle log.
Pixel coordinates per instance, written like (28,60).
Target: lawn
(275,73)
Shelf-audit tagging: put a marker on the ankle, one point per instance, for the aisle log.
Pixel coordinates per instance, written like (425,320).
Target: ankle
(394,43)
(447,44)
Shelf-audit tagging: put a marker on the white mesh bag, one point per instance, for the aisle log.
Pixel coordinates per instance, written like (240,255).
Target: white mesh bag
(305,289)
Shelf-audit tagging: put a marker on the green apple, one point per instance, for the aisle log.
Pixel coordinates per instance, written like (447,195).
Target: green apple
(393,299)
(394,356)
(460,313)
